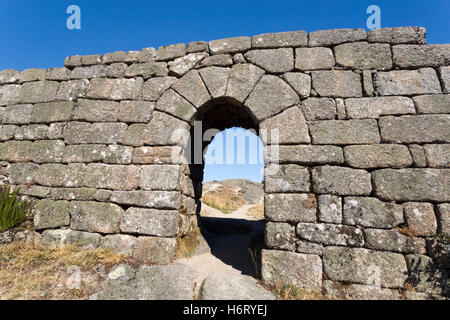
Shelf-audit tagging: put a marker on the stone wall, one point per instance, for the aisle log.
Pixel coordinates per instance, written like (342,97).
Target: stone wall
(361,194)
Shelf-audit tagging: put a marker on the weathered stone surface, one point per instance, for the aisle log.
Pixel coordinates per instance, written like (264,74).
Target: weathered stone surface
(117,154)
(305,154)
(280,236)
(300,82)
(52,112)
(135,111)
(114,89)
(280,39)
(391,240)
(418,155)
(17,114)
(272,60)
(71,90)
(412,184)
(197,46)
(39,91)
(15,151)
(335,36)
(216,80)
(313,58)
(371,212)
(165,130)
(287,267)
(73,61)
(115,177)
(415,129)
(72,193)
(95,217)
(242,80)
(397,35)
(118,56)
(84,153)
(47,151)
(173,103)
(155,250)
(91,59)
(10,94)
(34,74)
(443,217)
(50,214)
(96,110)
(152,222)
(9,76)
(290,118)
(160,177)
(89,72)
(120,243)
(341,181)
(288,178)
(290,207)
(330,234)
(330,209)
(425,276)
(170,52)
(407,82)
(145,55)
(136,134)
(147,70)
(360,108)
(158,155)
(337,83)
(337,290)
(116,70)
(218,60)
(230,45)
(345,132)
(171,282)
(319,109)
(192,88)
(270,96)
(58,175)
(7,132)
(21,173)
(378,156)
(60,238)
(58,74)
(309,247)
(444,73)
(149,199)
(419,56)
(180,66)
(368,83)
(233,287)
(420,218)
(154,88)
(360,265)
(84,132)
(435,103)
(362,55)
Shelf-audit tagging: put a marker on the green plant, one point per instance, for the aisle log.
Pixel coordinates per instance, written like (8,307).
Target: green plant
(13,210)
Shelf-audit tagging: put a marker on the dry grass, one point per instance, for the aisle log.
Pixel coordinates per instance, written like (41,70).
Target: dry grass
(187,244)
(30,271)
(225,199)
(406,231)
(257,211)
(290,292)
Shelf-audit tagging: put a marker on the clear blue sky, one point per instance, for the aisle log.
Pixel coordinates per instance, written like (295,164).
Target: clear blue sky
(34,34)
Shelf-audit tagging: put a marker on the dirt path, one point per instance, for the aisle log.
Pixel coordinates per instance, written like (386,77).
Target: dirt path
(229,236)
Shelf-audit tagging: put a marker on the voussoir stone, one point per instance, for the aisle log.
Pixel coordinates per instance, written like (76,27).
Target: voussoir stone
(270,96)
(313,58)
(230,45)
(337,83)
(361,264)
(152,222)
(273,131)
(192,88)
(407,82)
(360,108)
(330,234)
(420,218)
(164,129)
(335,36)
(50,214)
(280,39)
(412,184)
(394,241)
(288,268)
(242,80)
(343,132)
(341,181)
(233,287)
(419,56)
(434,103)
(155,87)
(272,60)
(216,80)
(289,178)
(363,55)
(95,216)
(174,104)
(415,129)
(371,212)
(290,207)
(437,155)
(378,156)
(397,35)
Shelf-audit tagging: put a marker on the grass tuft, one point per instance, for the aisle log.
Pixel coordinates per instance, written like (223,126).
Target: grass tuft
(13,210)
